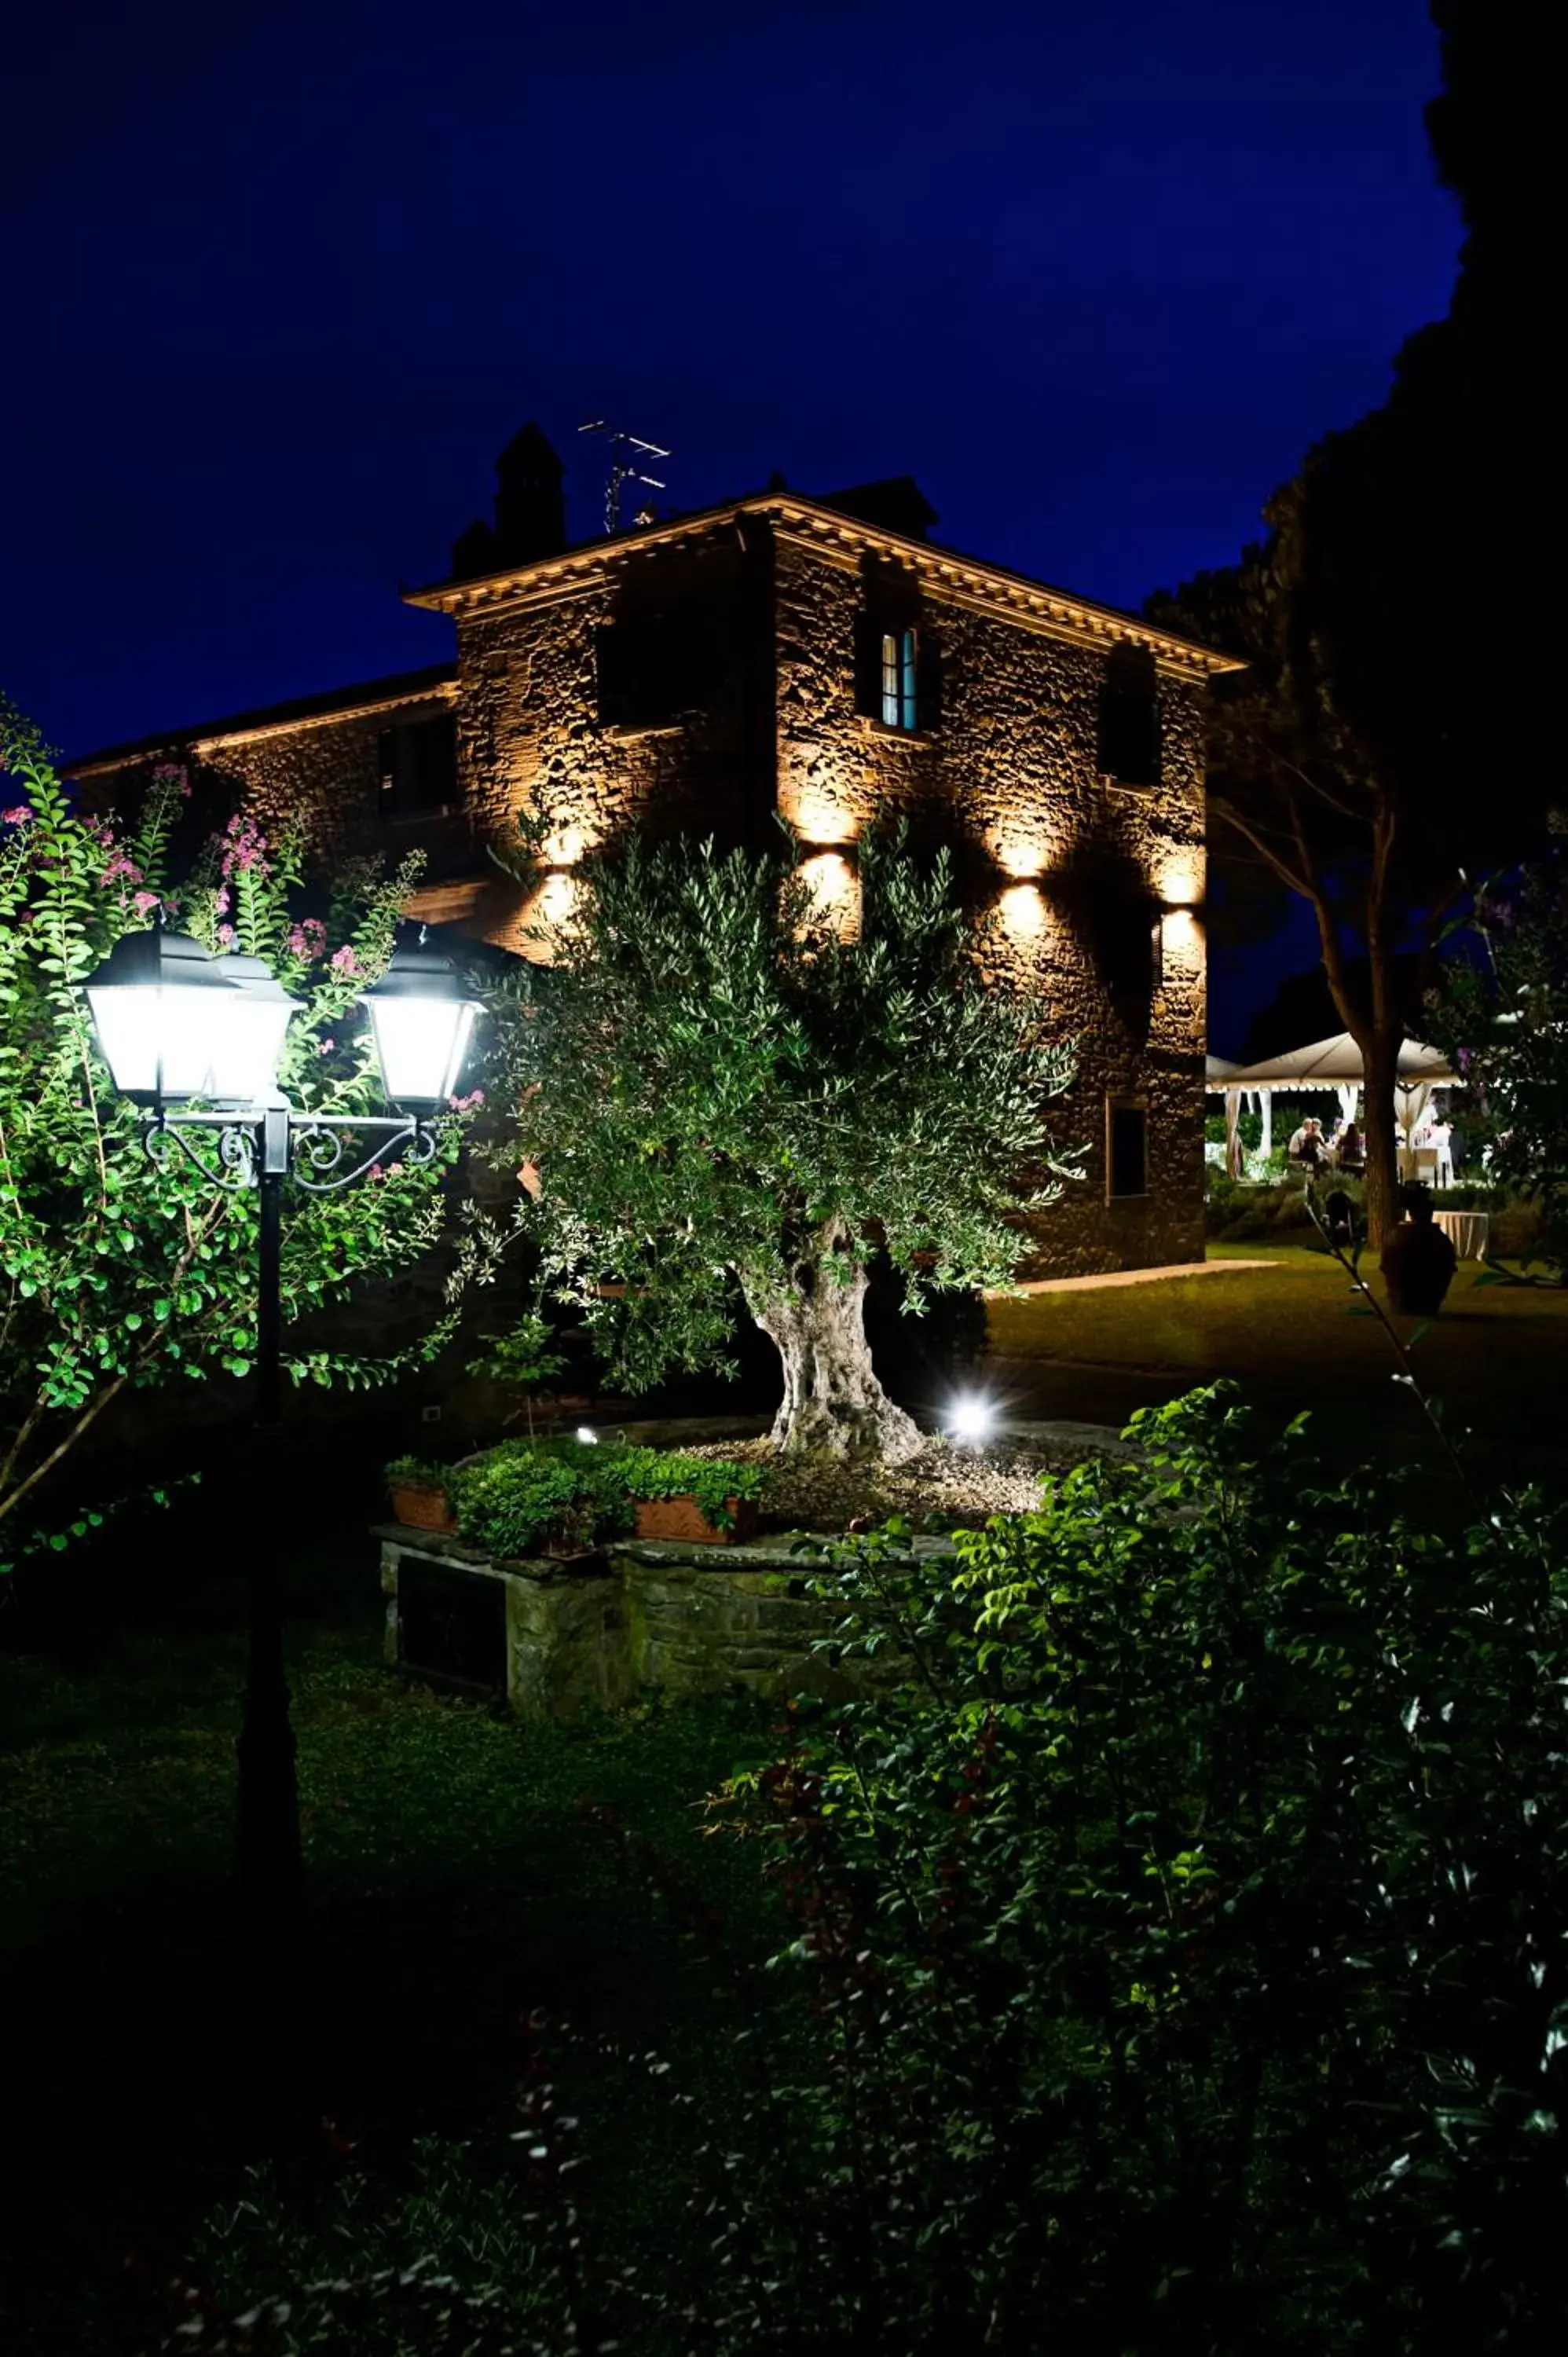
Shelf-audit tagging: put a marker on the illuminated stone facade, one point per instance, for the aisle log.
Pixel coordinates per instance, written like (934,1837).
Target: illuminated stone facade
(779,657)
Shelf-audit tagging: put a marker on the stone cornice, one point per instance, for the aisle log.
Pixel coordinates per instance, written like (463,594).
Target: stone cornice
(837,539)
(200,742)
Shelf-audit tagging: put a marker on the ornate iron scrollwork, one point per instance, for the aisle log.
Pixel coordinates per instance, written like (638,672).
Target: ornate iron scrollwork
(317,1146)
(235,1164)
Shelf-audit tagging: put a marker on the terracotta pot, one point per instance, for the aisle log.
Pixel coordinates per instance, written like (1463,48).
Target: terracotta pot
(682,1518)
(422,1510)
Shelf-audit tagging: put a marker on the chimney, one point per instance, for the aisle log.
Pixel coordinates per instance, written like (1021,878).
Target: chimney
(897,504)
(531,512)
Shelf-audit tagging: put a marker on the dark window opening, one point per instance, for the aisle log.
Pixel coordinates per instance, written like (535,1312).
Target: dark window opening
(418,768)
(650,670)
(452,1625)
(1126,1150)
(1130,720)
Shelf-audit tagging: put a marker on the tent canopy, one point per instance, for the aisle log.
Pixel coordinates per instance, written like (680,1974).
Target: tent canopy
(1337,1063)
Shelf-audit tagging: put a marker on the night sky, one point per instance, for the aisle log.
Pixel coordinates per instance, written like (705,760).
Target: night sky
(283,279)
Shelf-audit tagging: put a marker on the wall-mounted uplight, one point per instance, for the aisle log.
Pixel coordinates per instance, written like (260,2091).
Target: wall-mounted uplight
(1023,911)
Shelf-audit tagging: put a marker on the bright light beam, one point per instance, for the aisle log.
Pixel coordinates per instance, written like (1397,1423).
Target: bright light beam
(971,1419)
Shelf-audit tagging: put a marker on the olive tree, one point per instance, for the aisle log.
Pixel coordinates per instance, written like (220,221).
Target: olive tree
(725,1089)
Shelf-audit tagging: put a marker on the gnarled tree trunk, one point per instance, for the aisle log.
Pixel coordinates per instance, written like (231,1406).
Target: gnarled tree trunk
(832,1400)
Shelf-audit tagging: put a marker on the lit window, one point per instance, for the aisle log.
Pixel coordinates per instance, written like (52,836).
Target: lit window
(901,702)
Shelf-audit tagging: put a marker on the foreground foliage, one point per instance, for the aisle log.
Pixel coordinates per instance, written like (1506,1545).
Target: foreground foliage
(117,1274)
(1179,1961)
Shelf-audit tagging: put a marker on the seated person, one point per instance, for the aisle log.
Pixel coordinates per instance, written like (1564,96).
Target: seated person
(1314,1154)
(1419,1259)
(1352,1154)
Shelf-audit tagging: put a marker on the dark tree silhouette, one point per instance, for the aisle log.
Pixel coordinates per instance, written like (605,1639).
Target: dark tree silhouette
(1393,734)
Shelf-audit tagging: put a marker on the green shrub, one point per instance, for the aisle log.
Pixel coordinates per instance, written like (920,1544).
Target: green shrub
(1177,1963)
(1237,1208)
(654,1473)
(1187,1949)
(518,1497)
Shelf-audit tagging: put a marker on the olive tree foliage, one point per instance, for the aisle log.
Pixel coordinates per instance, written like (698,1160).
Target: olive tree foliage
(116,1274)
(722,1091)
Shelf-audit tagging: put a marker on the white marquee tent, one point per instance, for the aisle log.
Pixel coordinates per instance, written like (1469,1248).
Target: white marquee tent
(1333,1064)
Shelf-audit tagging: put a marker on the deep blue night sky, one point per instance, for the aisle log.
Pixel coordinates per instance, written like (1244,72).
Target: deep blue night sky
(283,279)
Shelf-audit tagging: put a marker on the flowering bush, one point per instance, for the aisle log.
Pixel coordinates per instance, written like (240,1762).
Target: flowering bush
(115,1275)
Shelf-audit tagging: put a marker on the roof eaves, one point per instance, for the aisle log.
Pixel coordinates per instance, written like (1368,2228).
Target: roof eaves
(1053,611)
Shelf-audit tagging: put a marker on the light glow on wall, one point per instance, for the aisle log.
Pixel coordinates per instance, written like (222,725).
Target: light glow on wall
(1179,881)
(557,897)
(835,890)
(566,846)
(1181,940)
(1024,913)
(817,818)
(1019,855)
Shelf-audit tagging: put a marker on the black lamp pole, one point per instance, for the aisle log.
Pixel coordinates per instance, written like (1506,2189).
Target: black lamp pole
(261,1141)
(267,1837)
(266,1147)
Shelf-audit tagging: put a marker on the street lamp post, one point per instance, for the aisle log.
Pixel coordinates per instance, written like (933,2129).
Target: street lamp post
(175,1023)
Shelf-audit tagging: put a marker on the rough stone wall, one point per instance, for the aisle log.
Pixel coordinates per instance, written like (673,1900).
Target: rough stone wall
(324,775)
(1068,873)
(531,739)
(652,1620)
(1009,777)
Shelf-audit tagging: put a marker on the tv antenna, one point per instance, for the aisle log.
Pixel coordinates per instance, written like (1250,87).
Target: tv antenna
(628,452)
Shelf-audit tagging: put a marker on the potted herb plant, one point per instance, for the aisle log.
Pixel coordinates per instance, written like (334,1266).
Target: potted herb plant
(696,1498)
(421,1493)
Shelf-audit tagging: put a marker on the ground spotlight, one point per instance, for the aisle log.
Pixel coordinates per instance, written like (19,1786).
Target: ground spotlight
(971,1419)
(586,1433)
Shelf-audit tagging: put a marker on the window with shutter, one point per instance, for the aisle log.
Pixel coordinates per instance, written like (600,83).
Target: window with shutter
(1126,1148)
(1130,720)
(418,767)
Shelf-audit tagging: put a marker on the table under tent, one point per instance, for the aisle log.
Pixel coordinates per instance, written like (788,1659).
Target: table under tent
(1336,1066)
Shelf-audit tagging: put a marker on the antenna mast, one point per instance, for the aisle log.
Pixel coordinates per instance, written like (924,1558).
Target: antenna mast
(628,452)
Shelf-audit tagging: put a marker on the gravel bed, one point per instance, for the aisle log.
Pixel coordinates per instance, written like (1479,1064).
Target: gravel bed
(947,1488)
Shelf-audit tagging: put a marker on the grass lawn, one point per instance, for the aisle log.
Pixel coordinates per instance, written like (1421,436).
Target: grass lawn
(464,1870)
(1294,1337)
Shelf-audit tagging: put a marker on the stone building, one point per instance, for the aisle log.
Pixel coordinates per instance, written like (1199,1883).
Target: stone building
(825,662)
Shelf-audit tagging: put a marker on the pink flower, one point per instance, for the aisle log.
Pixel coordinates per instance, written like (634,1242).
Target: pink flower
(144,903)
(226,936)
(244,847)
(172,773)
(121,870)
(308,938)
(220,902)
(325,1047)
(18,816)
(343,960)
(466,1104)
